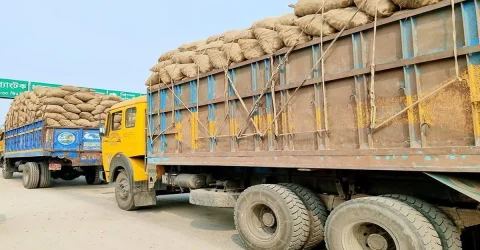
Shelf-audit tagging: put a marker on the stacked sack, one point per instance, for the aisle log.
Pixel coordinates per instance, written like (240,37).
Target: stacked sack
(67,106)
(272,34)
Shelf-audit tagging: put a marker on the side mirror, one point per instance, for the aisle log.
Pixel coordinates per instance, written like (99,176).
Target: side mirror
(102,130)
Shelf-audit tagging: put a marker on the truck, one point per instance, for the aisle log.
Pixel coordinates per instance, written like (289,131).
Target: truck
(42,152)
(365,139)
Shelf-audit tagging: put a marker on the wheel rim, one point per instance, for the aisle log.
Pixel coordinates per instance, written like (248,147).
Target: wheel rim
(369,235)
(262,221)
(123,189)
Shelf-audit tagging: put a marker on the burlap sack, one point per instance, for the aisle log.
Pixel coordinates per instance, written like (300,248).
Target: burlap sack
(71,116)
(164,76)
(175,71)
(72,100)
(40,91)
(217,58)
(54,109)
(111,98)
(85,97)
(233,52)
(287,19)
(235,35)
(95,101)
(251,48)
(167,55)
(38,114)
(99,109)
(266,23)
(54,116)
(314,25)
(153,79)
(71,108)
(67,123)
(95,124)
(71,88)
(55,101)
(414,4)
(87,116)
(308,7)
(193,46)
(60,93)
(158,66)
(203,62)
(341,17)
(212,45)
(215,38)
(85,107)
(385,7)
(108,103)
(182,58)
(269,40)
(292,35)
(189,70)
(49,121)
(32,107)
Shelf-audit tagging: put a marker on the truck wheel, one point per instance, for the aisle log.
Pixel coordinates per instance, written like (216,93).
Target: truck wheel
(379,223)
(45,175)
(448,232)
(124,192)
(6,174)
(271,216)
(31,175)
(317,213)
(92,176)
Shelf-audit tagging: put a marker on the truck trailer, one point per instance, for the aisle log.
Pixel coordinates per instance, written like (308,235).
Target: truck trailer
(365,139)
(41,153)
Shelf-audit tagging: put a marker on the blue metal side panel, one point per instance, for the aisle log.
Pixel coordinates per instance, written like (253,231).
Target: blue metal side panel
(163,120)
(150,121)
(80,145)
(211,107)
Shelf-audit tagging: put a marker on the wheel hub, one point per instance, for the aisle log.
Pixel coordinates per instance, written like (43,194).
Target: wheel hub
(268,219)
(124,189)
(377,242)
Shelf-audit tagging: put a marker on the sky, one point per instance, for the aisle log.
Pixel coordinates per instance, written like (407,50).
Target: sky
(110,44)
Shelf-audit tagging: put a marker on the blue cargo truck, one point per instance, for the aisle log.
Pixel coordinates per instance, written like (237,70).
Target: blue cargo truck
(42,153)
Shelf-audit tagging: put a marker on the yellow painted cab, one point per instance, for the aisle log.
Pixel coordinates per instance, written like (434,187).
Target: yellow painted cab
(124,150)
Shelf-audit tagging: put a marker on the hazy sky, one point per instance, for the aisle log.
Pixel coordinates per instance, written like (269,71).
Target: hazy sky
(110,44)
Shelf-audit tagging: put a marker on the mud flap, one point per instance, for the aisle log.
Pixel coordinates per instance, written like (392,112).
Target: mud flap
(468,187)
(142,196)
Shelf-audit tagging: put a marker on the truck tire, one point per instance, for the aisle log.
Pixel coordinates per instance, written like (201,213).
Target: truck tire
(446,229)
(261,209)
(124,192)
(379,223)
(45,175)
(6,175)
(31,175)
(92,176)
(316,210)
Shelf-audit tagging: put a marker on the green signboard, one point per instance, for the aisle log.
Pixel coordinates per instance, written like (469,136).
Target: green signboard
(124,95)
(33,85)
(101,91)
(10,88)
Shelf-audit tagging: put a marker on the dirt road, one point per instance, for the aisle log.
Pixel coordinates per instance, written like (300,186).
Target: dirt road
(73,215)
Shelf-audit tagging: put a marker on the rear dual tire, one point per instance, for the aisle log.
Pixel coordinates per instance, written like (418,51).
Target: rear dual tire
(271,216)
(379,223)
(6,175)
(92,176)
(31,175)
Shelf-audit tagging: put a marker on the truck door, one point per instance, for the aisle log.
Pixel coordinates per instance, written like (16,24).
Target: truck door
(112,141)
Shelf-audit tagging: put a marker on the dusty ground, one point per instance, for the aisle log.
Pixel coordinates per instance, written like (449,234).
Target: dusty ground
(73,215)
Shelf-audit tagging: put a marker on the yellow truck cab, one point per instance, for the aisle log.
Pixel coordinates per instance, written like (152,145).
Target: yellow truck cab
(124,150)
